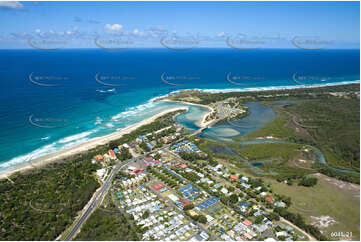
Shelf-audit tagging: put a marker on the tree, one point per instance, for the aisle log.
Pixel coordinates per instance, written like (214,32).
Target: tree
(274,216)
(188,207)
(202,219)
(146,214)
(233,198)
(308,181)
(259,220)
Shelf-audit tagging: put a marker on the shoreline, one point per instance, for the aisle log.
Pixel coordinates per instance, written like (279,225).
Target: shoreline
(202,123)
(92,143)
(62,154)
(269,88)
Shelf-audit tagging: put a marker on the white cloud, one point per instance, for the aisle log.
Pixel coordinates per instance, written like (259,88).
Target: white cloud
(11,5)
(113,28)
(37,31)
(221,34)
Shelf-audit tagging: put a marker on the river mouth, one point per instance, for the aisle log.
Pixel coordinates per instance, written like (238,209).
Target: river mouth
(259,115)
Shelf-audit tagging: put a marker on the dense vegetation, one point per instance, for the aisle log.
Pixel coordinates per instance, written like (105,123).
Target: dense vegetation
(284,152)
(191,156)
(348,177)
(124,154)
(106,226)
(308,181)
(41,203)
(337,120)
(337,132)
(158,124)
(299,93)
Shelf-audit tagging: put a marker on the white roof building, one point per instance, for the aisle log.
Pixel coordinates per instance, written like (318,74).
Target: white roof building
(224,190)
(101,173)
(245,179)
(173,197)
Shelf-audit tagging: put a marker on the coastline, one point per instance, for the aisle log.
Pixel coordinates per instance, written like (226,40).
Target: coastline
(61,154)
(274,88)
(92,143)
(203,123)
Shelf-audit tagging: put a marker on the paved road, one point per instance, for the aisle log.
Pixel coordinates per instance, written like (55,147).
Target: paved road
(104,189)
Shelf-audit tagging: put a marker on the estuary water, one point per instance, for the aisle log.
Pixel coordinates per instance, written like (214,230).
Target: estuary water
(54,99)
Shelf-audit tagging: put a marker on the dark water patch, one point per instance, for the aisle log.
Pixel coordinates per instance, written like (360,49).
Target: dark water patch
(257,164)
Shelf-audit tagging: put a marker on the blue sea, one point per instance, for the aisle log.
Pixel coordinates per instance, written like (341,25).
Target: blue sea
(54,99)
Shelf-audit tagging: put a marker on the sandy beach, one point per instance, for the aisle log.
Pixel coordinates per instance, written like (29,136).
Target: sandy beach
(41,161)
(203,123)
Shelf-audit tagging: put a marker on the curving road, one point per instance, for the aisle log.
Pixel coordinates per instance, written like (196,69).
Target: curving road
(104,189)
(106,185)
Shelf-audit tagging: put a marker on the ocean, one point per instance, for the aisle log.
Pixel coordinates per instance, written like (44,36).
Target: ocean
(54,99)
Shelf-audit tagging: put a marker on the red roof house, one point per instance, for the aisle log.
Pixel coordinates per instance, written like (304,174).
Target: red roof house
(112,154)
(158,186)
(247,222)
(233,177)
(269,199)
(99,157)
(185,203)
(183,166)
(137,170)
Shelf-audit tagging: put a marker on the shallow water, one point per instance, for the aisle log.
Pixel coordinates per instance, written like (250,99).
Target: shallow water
(258,116)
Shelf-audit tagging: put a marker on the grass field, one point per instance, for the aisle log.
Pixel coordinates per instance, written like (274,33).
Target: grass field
(338,200)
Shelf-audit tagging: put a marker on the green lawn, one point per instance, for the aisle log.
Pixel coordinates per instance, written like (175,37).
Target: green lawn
(329,197)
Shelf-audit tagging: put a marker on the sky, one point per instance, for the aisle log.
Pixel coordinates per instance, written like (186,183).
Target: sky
(179,24)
